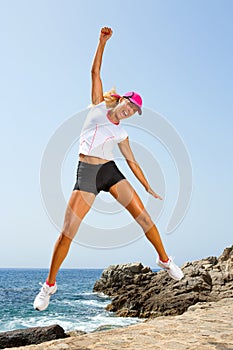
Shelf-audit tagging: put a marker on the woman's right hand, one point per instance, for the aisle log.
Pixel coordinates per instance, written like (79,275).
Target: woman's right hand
(105,34)
(155,195)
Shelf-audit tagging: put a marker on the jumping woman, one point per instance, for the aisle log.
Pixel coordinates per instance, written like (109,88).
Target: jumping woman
(97,172)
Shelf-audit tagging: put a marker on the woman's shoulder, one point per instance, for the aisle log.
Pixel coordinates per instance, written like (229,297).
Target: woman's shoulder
(97,111)
(101,105)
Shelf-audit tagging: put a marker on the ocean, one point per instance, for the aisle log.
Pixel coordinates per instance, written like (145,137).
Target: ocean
(73,307)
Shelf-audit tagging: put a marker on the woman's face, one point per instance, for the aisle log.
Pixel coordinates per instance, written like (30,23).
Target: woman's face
(125,109)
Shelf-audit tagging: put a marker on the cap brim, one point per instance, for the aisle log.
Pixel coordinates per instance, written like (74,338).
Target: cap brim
(139,108)
(132,101)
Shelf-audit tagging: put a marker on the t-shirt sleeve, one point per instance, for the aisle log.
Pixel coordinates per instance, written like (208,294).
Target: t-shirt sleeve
(123,135)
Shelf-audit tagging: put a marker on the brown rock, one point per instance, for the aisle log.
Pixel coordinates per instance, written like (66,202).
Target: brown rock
(33,335)
(137,291)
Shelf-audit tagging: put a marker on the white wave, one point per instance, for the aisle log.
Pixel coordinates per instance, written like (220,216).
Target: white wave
(102,320)
(88,303)
(69,323)
(101,295)
(95,303)
(101,303)
(21,323)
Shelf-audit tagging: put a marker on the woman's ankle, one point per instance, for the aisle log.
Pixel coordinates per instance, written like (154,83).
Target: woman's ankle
(50,282)
(164,259)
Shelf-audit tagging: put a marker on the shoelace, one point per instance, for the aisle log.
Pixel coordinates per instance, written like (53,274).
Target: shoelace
(171,260)
(44,290)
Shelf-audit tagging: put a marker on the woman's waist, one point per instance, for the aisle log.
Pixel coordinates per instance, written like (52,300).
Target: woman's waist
(92,159)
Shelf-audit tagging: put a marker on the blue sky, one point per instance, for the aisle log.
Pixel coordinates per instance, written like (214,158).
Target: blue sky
(177,54)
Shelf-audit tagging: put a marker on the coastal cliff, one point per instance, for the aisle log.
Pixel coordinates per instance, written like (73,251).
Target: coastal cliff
(136,291)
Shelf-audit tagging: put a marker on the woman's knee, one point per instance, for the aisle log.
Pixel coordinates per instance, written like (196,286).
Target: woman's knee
(145,221)
(63,240)
(70,227)
(68,233)
(71,224)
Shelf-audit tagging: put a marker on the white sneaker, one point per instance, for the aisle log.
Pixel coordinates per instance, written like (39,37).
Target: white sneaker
(173,270)
(41,301)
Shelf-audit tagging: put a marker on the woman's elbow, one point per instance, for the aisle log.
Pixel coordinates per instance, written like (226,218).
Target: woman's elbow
(95,72)
(132,164)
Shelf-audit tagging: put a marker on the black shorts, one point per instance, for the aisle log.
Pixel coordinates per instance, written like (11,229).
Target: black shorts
(95,178)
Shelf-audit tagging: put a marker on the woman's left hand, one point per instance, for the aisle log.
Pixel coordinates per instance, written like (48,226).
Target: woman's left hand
(105,34)
(155,195)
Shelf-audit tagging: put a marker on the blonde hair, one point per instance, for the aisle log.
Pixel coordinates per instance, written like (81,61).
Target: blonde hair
(111,101)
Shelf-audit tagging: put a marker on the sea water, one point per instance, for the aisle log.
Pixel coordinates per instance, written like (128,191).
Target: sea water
(73,307)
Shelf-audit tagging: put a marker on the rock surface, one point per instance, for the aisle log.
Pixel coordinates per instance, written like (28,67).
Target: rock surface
(137,291)
(205,326)
(34,335)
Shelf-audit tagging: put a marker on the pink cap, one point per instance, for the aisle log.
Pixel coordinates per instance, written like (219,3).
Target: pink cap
(134,98)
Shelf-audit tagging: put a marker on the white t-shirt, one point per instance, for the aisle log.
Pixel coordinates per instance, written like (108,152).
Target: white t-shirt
(99,135)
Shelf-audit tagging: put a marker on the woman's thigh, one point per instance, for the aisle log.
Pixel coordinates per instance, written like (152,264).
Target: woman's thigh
(128,197)
(78,206)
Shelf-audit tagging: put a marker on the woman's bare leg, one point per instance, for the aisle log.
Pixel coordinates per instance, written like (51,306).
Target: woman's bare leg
(79,204)
(126,195)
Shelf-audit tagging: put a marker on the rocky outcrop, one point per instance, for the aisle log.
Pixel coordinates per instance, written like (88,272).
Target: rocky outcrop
(34,335)
(139,292)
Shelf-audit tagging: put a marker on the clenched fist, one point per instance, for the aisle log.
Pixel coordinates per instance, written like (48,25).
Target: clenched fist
(105,34)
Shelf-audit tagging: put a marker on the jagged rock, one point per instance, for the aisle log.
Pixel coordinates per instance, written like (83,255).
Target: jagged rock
(117,276)
(139,292)
(34,335)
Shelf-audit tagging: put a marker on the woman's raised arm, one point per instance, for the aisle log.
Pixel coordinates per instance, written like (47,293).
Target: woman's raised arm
(97,87)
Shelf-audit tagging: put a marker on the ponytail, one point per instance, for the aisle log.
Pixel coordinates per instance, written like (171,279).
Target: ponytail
(111,101)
